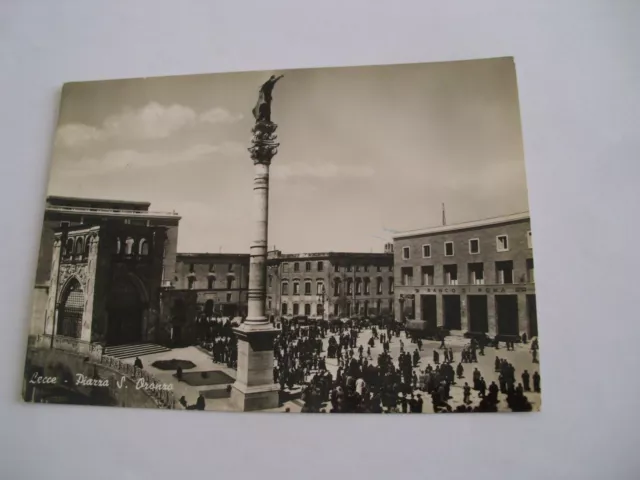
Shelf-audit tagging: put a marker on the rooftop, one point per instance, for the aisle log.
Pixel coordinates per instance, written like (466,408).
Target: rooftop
(69,201)
(485,222)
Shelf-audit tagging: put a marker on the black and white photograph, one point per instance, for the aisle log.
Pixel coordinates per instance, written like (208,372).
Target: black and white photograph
(326,240)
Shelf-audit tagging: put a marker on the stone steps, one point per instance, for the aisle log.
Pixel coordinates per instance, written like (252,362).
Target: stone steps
(134,350)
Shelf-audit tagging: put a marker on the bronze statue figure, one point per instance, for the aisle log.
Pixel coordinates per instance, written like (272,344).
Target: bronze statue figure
(262,110)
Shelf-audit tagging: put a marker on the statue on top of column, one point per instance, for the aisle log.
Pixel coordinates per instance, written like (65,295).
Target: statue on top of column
(262,110)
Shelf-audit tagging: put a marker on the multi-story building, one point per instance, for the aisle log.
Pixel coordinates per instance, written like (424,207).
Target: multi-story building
(329,284)
(470,277)
(101,268)
(218,280)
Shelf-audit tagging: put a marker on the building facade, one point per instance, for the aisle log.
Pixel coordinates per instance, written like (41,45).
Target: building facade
(219,282)
(102,269)
(329,284)
(470,277)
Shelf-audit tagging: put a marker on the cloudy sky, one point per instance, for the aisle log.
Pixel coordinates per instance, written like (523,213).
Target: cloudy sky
(364,151)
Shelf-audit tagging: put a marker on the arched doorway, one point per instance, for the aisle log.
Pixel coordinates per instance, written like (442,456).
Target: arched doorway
(125,309)
(71,310)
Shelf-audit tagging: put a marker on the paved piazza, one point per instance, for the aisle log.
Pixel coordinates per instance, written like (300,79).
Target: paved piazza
(520,358)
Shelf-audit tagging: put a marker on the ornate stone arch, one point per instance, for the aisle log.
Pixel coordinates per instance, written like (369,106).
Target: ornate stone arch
(71,309)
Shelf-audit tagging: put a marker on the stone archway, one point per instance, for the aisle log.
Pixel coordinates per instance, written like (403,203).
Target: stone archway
(71,310)
(125,308)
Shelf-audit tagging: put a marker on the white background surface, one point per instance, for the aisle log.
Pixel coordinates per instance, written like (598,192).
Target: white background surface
(578,73)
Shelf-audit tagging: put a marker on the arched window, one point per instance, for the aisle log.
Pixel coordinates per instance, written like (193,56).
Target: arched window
(358,286)
(367,286)
(87,245)
(211,280)
(320,287)
(379,285)
(349,286)
(79,246)
(71,311)
(129,243)
(68,249)
(285,288)
(144,247)
(336,287)
(296,287)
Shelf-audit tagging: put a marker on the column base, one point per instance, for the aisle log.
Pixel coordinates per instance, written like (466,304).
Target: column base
(254,388)
(251,399)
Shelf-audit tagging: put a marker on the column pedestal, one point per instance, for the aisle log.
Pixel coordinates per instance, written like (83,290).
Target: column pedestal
(254,388)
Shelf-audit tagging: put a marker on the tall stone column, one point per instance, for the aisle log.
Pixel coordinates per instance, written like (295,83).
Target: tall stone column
(254,388)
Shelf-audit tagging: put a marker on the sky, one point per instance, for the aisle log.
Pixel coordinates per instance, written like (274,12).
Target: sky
(364,151)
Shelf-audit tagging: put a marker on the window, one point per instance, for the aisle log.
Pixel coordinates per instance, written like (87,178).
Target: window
(450,274)
(336,287)
(358,286)
(476,274)
(366,268)
(405,253)
(230,267)
(390,285)
(349,286)
(118,245)
(336,268)
(365,309)
(349,268)
(406,274)
(285,288)
(378,268)
(448,249)
(212,268)
(307,309)
(319,288)
(296,267)
(307,288)
(426,251)
(502,243)
(357,268)
(474,246)
(296,309)
(191,281)
(65,224)
(320,266)
(336,310)
(210,282)
(529,240)
(270,281)
(191,268)
(504,272)
(296,288)
(128,249)
(229,298)
(530,272)
(230,281)
(378,306)
(79,246)
(367,288)
(285,308)
(307,266)
(285,267)
(144,247)
(379,286)
(427,272)
(320,310)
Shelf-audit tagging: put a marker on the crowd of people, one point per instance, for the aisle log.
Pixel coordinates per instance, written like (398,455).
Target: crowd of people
(217,337)
(364,384)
